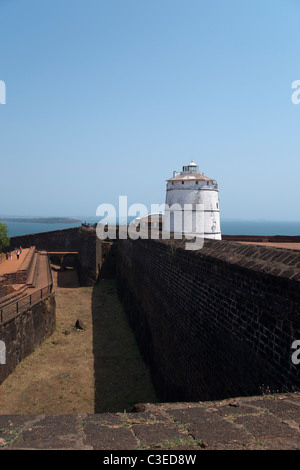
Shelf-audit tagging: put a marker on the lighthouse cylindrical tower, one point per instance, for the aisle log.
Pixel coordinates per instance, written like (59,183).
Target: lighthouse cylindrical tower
(193,188)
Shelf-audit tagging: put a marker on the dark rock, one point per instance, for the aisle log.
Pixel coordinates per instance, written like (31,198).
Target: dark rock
(138,408)
(79,325)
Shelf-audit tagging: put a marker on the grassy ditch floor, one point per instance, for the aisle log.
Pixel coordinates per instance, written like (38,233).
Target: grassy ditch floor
(94,369)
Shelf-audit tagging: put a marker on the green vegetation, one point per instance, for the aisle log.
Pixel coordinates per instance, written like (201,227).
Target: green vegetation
(4,239)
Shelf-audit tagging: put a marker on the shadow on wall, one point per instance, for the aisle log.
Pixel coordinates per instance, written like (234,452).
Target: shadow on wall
(108,267)
(65,267)
(66,277)
(121,376)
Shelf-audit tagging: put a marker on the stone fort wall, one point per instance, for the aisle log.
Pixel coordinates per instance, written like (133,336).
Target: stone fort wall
(58,240)
(94,257)
(211,324)
(214,323)
(25,332)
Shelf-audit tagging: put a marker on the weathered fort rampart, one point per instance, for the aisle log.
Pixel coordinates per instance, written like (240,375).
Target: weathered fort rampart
(211,324)
(26,331)
(58,240)
(214,323)
(96,258)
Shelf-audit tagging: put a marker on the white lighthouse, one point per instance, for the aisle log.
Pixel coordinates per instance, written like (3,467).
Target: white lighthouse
(191,189)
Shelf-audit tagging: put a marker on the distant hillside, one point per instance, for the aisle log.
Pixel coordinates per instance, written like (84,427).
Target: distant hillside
(41,220)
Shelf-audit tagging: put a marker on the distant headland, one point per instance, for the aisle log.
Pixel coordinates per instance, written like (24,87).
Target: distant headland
(41,220)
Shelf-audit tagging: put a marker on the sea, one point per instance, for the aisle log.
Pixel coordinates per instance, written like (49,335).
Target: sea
(228,227)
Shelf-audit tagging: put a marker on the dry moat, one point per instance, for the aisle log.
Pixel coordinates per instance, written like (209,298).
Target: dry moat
(60,378)
(215,325)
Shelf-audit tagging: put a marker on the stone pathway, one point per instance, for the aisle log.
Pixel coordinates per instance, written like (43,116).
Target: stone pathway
(42,278)
(11,266)
(268,422)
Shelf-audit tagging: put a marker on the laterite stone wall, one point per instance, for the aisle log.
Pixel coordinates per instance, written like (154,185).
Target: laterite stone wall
(24,333)
(214,323)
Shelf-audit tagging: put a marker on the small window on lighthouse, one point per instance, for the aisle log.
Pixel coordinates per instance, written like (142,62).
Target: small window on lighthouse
(196,182)
(182,182)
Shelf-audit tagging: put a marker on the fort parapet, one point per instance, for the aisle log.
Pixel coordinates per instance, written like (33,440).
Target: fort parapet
(213,323)
(57,240)
(25,332)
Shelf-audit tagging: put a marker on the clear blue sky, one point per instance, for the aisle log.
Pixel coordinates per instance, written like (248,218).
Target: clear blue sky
(108,97)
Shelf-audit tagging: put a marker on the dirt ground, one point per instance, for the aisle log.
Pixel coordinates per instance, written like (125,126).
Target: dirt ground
(96,369)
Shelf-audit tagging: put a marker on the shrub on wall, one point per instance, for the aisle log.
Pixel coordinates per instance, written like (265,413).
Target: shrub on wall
(4,239)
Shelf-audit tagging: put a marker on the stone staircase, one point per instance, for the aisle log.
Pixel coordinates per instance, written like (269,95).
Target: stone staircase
(17,293)
(26,273)
(39,276)
(32,275)
(32,270)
